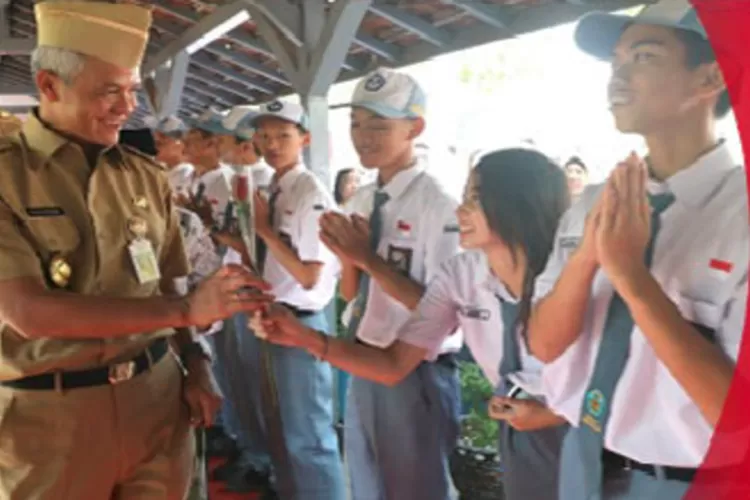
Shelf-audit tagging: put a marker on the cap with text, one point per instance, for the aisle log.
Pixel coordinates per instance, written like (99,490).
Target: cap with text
(390,94)
(240,121)
(287,111)
(598,33)
(113,32)
(212,121)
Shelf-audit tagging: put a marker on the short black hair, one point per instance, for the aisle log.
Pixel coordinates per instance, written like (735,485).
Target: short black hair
(698,52)
(576,160)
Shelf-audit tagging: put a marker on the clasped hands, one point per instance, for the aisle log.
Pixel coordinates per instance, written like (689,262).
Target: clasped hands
(618,228)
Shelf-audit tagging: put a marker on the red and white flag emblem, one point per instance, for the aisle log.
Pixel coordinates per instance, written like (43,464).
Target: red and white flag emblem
(721,265)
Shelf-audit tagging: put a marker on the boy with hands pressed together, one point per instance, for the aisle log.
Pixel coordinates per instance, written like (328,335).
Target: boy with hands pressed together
(641,308)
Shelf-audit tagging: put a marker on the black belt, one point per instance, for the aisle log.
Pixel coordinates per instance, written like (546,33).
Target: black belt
(448,359)
(300,313)
(614,462)
(112,374)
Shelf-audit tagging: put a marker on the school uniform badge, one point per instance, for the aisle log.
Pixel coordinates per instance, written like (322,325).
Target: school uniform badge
(400,258)
(595,405)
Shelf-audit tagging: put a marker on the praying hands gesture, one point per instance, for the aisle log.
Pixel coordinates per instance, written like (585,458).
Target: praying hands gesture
(347,237)
(624,223)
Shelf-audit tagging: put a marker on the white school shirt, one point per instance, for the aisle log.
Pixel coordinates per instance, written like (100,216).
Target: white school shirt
(701,262)
(302,199)
(262,174)
(419,233)
(464,294)
(180,178)
(218,189)
(218,192)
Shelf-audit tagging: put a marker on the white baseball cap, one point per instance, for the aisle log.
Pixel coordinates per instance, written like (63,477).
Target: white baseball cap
(287,111)
(598,33)
(390,94)
(239,119)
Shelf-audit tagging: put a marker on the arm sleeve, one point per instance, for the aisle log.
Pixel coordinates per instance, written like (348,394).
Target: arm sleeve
(313,204)
(443,238)
(173,260)
(436,316)
(732,326)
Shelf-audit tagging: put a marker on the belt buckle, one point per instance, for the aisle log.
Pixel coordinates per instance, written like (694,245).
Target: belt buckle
(627,464)
(121,372)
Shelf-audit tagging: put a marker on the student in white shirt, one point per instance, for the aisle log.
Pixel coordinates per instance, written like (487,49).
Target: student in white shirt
(210,197)
(246,153)
(512,204)
(169,135)
(297,388)
(397,439)
(249,469)
(642,305)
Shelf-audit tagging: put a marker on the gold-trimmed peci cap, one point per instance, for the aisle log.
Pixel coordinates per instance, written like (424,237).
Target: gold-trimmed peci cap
(116,33)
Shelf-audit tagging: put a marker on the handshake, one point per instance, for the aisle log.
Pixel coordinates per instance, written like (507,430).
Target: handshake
(236,289)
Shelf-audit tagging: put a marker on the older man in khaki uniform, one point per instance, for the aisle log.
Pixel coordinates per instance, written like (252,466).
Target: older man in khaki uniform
(91,397)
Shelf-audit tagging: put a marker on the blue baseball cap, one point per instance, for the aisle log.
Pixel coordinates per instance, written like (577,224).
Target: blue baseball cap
(212,121)
(239,119)
(598,33)
(390,94)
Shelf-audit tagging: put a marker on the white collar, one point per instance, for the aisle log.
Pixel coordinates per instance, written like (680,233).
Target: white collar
(694,185)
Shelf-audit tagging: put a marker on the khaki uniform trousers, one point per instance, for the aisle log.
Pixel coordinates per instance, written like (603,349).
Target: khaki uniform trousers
(130,441)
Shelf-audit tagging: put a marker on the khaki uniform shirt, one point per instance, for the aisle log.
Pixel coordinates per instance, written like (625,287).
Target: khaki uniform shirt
(52,203)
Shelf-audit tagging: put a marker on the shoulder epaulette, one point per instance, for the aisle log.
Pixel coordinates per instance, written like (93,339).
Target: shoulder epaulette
(143,156)
(8,145)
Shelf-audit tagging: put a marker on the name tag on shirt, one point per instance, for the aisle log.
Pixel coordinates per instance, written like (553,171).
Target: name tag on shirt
(44,211)
(144,261)
(569,242)
(476,313)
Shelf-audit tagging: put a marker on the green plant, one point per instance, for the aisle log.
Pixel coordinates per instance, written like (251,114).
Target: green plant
(478,430)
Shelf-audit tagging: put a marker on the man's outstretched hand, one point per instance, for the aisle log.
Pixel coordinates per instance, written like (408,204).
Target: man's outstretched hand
(230,290)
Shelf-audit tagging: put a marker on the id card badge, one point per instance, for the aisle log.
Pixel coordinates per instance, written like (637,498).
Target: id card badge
(144,261)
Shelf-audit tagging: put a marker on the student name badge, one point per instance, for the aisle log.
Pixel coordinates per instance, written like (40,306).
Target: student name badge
(142,253)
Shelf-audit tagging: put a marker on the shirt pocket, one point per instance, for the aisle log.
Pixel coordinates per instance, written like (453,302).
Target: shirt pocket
(53,235)
(401,254)
(705,316)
